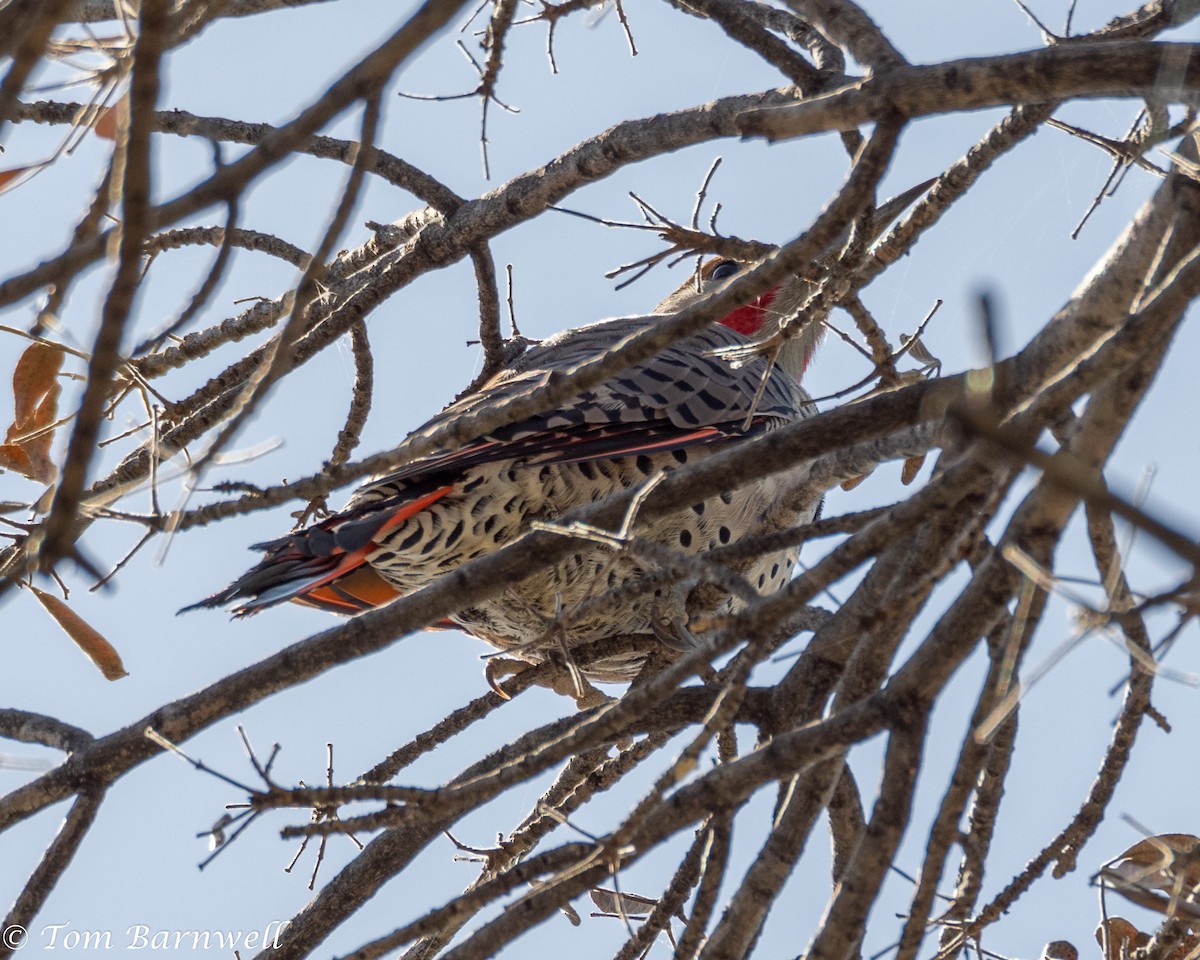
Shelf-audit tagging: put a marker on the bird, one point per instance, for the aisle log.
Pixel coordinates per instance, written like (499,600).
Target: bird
(402,531)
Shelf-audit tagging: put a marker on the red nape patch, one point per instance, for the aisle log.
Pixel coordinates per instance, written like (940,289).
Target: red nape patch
(749,319)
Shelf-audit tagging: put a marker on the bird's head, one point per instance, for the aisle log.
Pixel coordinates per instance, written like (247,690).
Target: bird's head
(758,319)
(761,317)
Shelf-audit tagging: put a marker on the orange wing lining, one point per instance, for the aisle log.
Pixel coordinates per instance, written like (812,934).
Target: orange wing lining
(351,581)
(360,589)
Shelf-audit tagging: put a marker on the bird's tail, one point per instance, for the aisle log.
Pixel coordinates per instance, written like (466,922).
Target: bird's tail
(326,565)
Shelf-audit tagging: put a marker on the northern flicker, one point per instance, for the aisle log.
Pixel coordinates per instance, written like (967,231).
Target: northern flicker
(401,532)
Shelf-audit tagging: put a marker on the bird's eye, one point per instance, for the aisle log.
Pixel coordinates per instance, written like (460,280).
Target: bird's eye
(725,269)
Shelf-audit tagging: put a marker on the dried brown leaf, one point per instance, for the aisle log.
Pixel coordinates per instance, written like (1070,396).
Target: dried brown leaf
(1160,873)
(1060,950)
(35,376)
(102,653)
(1119,938)
(12,457)
(8,176)
(1153,849)
(106,123)
(27,443)
(1124,939)
(912,466)
(1159,859)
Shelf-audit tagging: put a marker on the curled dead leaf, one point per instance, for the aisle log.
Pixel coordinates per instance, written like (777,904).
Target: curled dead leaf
(1160,873)
(27,443)
(107,121)
(1060,950)
(912,466)
(1118,938)
(102,653)
(1157,861)
(8,176)
(35,377)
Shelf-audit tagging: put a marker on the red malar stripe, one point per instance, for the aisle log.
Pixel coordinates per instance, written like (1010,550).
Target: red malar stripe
(749,319)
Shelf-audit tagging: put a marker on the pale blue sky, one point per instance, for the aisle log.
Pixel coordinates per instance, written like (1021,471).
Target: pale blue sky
(137,866)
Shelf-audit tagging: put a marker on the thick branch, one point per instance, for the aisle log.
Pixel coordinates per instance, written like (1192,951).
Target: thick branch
(1167,71)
